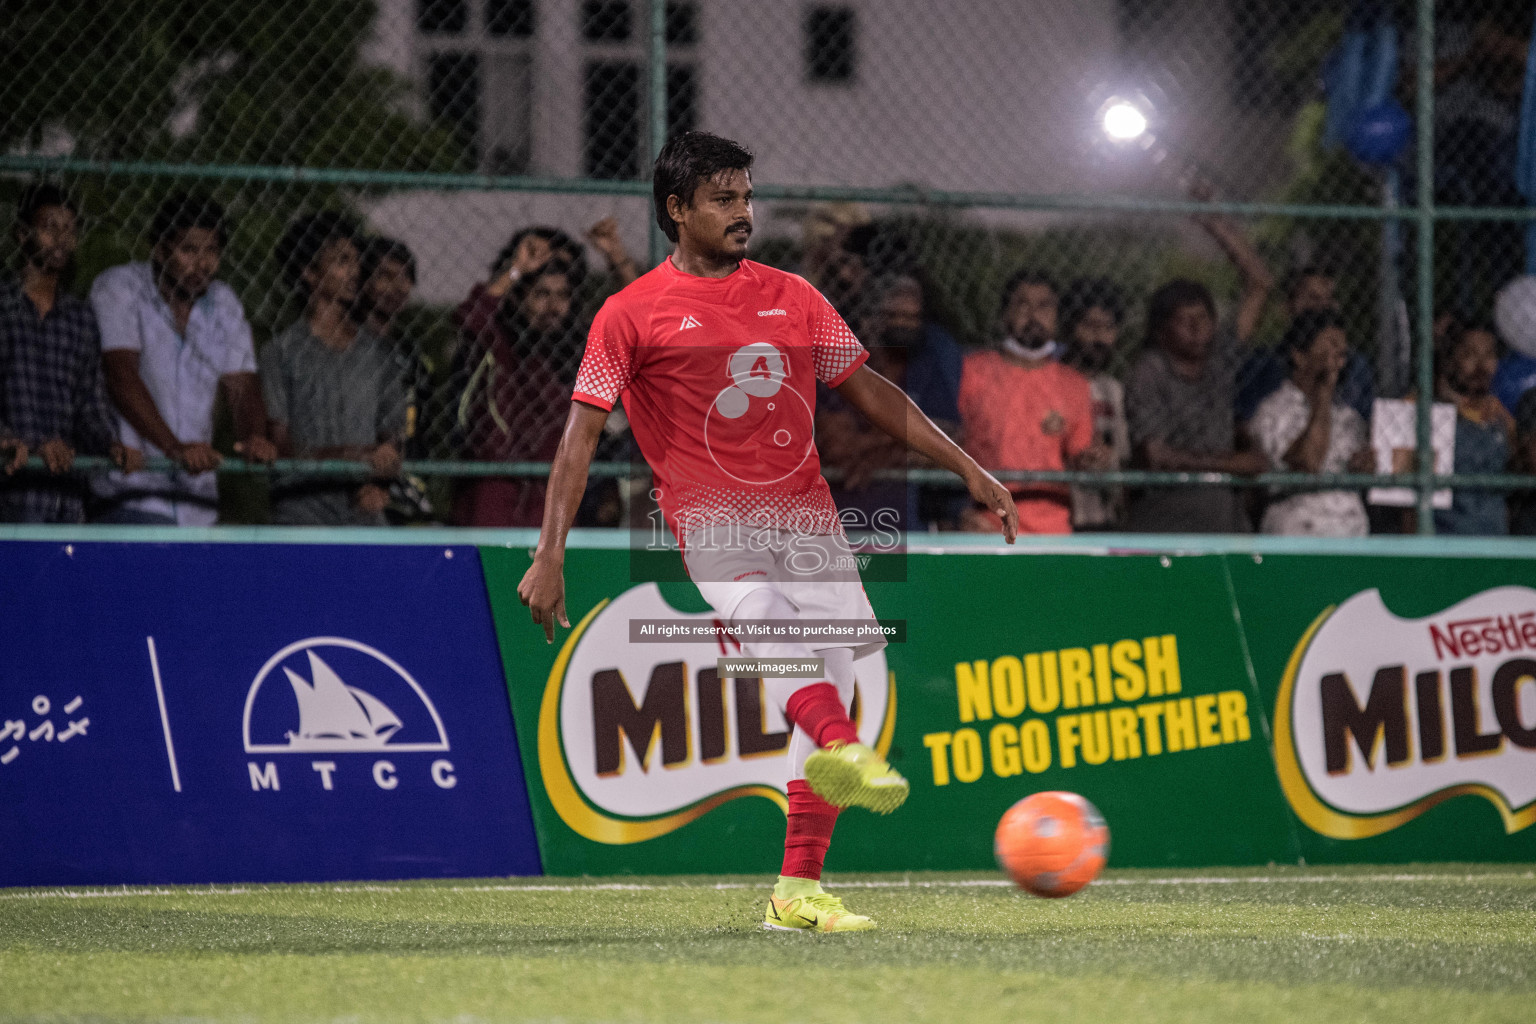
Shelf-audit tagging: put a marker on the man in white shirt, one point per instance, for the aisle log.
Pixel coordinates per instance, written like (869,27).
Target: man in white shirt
(1306,427)
(170,336)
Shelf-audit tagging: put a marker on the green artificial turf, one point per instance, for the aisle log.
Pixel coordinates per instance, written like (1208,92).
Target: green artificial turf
(1445,943)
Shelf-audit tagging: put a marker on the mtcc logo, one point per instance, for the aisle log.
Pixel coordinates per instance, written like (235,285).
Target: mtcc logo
(331,695)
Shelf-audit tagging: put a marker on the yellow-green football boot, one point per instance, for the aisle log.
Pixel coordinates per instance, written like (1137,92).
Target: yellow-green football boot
(800,905)
(852,775)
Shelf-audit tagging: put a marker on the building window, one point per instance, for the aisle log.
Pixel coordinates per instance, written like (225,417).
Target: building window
(830,54)
(606,21)
(611,120)
(506,126)
(453,94)
(509,18)
(442,16)
(613,104)
(682,99)
(682,23)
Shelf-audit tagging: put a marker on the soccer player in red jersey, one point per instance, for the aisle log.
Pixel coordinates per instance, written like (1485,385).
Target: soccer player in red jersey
(717,358)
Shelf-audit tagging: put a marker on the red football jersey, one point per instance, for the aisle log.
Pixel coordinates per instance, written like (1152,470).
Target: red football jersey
(718,377)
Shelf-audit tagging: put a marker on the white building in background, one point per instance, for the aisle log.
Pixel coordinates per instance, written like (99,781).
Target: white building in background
(984,95)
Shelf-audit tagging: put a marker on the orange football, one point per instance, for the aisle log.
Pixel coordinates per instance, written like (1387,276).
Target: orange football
(1052,844)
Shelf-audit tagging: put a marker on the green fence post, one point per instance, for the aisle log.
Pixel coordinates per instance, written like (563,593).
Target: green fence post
(1425,219)
(657,92)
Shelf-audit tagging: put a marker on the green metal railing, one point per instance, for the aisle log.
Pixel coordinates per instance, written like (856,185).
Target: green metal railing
(345,469)
(1422,213)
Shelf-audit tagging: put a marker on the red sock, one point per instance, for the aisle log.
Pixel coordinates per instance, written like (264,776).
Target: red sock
(808,833)
(817,709)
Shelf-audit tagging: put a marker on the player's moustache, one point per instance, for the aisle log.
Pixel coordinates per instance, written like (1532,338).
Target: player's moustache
(740,225)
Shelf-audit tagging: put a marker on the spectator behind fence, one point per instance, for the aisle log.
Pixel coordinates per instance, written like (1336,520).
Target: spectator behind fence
(52,400)
(1309,289)
(1022,409)
(1091,314)
(1179,401)
(824,239)
(517,364)
(1307,427)
(387,272)
(1481,48)
(333,390)
(921,358)
(1522,517)
(171,334)
(1514,314)
(1485,431)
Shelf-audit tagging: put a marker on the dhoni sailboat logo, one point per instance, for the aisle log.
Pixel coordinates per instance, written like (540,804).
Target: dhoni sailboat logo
(338,696)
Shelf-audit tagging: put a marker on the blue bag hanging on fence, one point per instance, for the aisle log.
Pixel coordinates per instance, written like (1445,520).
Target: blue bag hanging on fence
(1363,115)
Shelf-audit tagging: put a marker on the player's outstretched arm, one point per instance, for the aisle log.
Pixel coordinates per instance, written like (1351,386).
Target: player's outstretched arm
(543,586)
(889,408)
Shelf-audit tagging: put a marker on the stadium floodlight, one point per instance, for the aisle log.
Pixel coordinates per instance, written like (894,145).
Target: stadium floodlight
(1123,121)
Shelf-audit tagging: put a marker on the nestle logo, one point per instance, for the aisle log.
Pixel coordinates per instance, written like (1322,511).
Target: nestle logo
(772,312)
(1488,634)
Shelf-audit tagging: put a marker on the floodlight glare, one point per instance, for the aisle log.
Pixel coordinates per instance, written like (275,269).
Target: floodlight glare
(1124,122)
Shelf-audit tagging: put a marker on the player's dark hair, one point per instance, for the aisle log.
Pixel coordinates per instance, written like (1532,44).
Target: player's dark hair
(686,162)
(1021,277)
(37,197)
(1166,302)
(1305,328)
(183,211)
(1087,294)
(305,239)
(377,250)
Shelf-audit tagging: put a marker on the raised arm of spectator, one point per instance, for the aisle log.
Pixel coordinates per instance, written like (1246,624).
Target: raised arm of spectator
(604,236)
(1257,280)
(889,408)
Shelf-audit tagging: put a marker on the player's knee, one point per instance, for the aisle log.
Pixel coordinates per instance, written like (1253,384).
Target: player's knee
(838,665)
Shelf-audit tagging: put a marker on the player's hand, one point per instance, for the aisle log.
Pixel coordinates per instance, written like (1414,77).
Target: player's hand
(18,456)
(1247,463)
(129,460)
(257,449)
(530,255)
(604,236)
(372,499)
(57,455)
(197,457)
(986,489)
(1095,458)
(385,461)
(543,590)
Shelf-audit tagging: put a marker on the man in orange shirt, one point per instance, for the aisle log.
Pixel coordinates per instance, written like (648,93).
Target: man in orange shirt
(1021,408)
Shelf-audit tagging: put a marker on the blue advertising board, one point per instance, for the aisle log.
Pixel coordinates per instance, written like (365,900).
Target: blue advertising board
(249,713)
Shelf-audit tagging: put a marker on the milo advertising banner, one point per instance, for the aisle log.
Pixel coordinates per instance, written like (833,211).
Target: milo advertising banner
(1403,695)
(1218,708)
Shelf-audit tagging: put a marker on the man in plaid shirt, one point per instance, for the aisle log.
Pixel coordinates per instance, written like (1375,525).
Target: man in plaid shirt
(51,394)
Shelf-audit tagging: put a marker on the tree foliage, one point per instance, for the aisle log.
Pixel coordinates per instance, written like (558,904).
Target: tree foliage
(257,82)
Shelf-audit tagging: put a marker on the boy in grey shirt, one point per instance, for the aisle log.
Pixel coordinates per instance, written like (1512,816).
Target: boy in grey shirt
(332,390)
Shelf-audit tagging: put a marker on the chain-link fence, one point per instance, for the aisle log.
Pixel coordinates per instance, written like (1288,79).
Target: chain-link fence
(1250,226)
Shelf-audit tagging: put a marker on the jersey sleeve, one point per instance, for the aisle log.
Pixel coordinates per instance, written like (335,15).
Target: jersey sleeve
(608,365)
(835,352)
